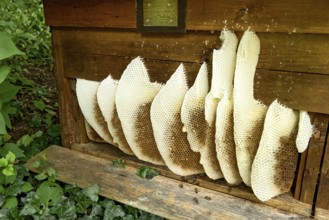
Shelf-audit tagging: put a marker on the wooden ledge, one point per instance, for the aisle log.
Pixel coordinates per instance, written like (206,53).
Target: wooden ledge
(162,195)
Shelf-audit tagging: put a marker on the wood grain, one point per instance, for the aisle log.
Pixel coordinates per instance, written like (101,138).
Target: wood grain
(285,202)
(64,93)
(293,53)
(314,157)
(323,192)
(161,195)
(296,90)
(304,16)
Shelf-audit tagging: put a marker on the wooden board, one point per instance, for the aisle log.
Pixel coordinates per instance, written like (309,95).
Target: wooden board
(322,200)
(279,51)
(292,16)
(296,90)
(71,118)
(285,202)
(314,157)
(163,196)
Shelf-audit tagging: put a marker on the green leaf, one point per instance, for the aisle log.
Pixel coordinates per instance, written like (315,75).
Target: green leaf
(39,104)
(92,192)
(3,129)
(119,163)
(3,162)
(54,130)
(10,157)
(10,203)
(8,91)
(147,172)
(4,71)
(26,140)
(28,210)
(26,187)
(13,148)
(7,110)
(9,170)
(49,193)
(51,172)
(112,211)
(7,47)
(65,210)
(41,176)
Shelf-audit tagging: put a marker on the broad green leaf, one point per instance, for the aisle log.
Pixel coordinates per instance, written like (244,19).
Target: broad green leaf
(147,172)
(2,190)
(26,140)
(7,110)
(41,176)
(2,200)
(7,47)
(39,104)
(3,162)
(11,203)
(49,193)
(28,210)
(128,217)
(92,192)
(13,148)
(10,157)
(26,187)
(65,210)
(54,130)
(112,211)
(4,71)
(8,91)
(2,125)
(9,170)
(51,172)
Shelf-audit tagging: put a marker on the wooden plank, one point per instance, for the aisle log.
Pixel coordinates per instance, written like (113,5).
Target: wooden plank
(296,90)
(321,214)
(64,94)
(85,13)
(314,157)
(162,196)
(299,175)
(323,192)
(285,202)
(290,16)
(293,53)
(98,67)
(71,119)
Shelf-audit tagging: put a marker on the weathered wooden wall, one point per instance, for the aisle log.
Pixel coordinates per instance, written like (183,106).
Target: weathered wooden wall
(94,38)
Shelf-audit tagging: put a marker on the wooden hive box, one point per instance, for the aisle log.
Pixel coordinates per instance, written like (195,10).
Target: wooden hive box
(94,38)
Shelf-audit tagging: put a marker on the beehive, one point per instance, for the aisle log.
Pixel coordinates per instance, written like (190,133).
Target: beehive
(94,38)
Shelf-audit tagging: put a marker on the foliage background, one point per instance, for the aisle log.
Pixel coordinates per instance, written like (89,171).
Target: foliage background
(30,109)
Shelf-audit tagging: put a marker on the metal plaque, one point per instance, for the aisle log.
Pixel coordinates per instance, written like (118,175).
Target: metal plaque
(161,15)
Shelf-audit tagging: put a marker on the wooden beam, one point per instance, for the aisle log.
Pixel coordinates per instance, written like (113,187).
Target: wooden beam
(285,202)
(287,16)
(314,157)
(296,90)
(293,53)
(322,200)
(162,196)
(71,119)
